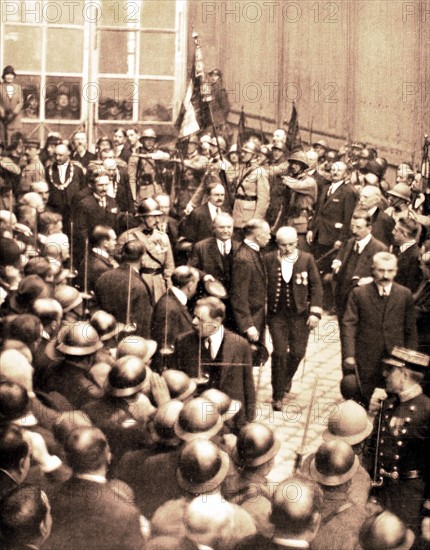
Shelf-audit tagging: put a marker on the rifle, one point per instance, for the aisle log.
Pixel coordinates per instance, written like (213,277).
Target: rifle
(300,453)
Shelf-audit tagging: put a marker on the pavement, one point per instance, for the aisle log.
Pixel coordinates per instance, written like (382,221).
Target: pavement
(322,365)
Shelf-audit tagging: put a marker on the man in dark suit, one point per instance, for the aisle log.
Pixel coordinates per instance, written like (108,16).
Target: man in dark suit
(217,357)
(167,224)
(119,185)
(81,153)
(198,224)
(171,317)
(405,235)
(86,512)
(353,263)
(122,147)
(14,458)
(294,299)
(329,226)
(95,209)
(102,244)
(65,178)
(122,292)
(378,317)
(214,255)
(382,224)
(249,283)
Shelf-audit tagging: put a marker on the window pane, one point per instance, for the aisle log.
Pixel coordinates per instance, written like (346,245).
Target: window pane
(159,14)
(23,47)
(155,100)
(120,13)
(157,64)
(31,92)
(117,52)
(116,99)
(25,11)
(64,51)
(63,98)
(67,12)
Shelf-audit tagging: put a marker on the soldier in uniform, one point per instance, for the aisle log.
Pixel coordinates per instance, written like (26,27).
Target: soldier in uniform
(252,188)
(157,263)
(143,171)
(402,463)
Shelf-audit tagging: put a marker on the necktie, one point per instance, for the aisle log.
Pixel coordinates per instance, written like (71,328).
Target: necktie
(209,347)
(356,248)
(102,203)
(224,249)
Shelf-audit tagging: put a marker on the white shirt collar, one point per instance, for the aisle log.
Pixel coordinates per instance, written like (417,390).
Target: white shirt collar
(405,246)
(252,245)
(91,477)
(216,340)
(101,252)
(222,244)
(362,243)
(384,290)
(335,186)
(372,210)
(179,295)
(213,210)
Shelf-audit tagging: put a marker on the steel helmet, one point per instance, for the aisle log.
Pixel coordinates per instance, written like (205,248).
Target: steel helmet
(385,531)
(224,404)
(250,147)
(106,325)
(148,207)
(161,428)
(197,420)
(255,445)
(79,339)
(402,191)
(222,143)
(300,156)
(68,297)
(137,346)
(202,466)
(127,377)
(349,423)
(149,133)
(180,385)
(334,463)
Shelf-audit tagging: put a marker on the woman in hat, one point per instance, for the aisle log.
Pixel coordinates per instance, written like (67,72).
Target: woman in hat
(11,104)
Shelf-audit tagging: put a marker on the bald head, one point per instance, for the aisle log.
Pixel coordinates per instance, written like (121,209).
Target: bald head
(87,450)
(16,368)
(338,171)
(61,153)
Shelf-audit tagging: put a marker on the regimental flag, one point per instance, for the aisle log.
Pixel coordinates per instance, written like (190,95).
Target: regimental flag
(195,113)
(294,140)
(241,130)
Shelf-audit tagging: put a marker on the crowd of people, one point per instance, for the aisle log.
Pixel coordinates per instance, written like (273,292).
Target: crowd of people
(138,286)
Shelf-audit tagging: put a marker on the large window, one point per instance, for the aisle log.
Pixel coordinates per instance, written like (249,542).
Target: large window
(91,62)
(138,48)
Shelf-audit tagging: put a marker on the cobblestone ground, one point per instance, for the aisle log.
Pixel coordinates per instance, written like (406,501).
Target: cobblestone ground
(322,363)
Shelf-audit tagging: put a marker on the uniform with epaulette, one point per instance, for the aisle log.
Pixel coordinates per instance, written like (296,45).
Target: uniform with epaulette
(157,263)
(402,461)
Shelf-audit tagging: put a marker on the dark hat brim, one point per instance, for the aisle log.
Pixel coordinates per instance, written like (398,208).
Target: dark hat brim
(208,485)
(332,481)
(190,436)
(350,439)
(77,351)
(268,455)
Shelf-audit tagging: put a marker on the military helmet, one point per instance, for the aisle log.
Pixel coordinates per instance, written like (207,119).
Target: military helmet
(385,531)
(196,420)
(180,385)
(223,403)
(79,339)
(137,346)
(402,191)
(233,148)
(278,144)
(250,147)
(334,463)
(321,143)
(149,133)
(161,428)
(68,297)
(221,142)
(202,466)
(127,377)
(148,207)
(255,445)
(29,289)
(106,325)
(300,157)
(349,423)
